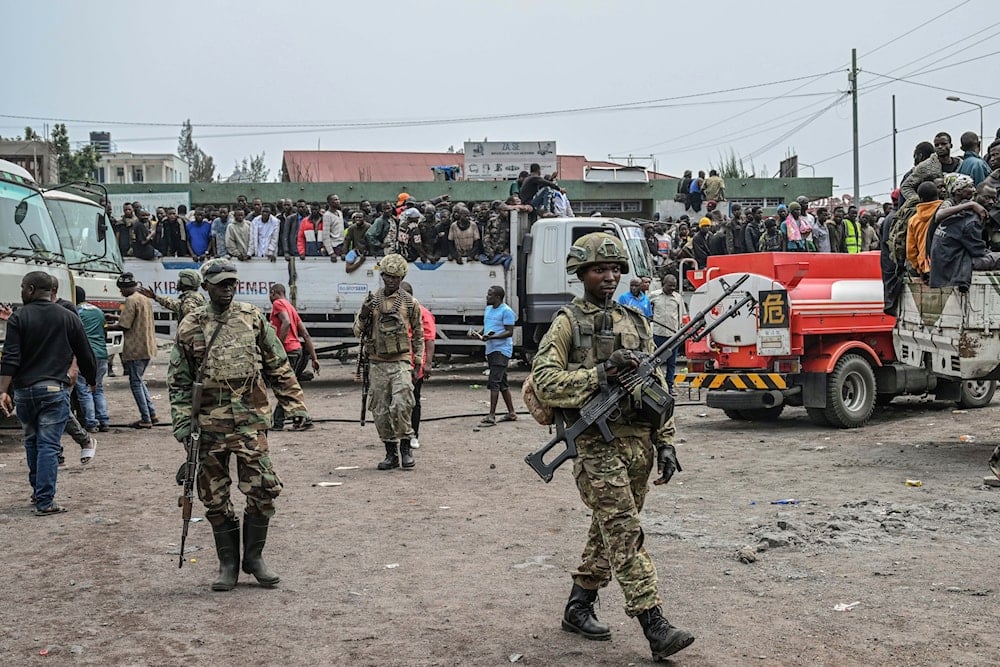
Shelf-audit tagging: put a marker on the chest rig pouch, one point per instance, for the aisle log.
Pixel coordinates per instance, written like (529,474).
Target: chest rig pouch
(234,355)
(392,335)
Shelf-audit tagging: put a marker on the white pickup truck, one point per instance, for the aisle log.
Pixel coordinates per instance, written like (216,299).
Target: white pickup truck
(327,297)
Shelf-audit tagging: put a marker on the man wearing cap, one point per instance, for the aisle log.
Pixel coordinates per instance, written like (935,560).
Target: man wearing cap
(611,477)
(235,349)
(138,346)
(700,242)
(389,324)
(189,298)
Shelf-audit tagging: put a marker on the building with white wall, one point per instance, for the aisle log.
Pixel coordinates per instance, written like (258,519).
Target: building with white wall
(136,168)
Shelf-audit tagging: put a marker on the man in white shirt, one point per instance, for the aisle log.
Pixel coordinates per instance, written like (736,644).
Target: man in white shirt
(264,235)
(333,228)
(561,206)
(668,311)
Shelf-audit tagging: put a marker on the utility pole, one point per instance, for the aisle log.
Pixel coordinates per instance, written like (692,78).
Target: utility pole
(894,170)
(853,78)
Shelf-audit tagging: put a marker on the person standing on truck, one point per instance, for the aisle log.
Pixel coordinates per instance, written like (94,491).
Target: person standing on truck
(587,345)
(700,242)
(264,234)
(123,229)
(141,238)
(389,322)
(238,236)
(199,237)
(333,229)
(668,313)
(42,340)
(219,226)
(237,350)
(535,182)
(936,166)
(188,299)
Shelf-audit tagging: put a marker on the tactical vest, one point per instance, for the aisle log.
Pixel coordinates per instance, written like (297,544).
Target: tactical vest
(594,341)
(234,354)
(390,325)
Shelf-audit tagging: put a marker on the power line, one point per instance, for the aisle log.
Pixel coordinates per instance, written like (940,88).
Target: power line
(927,85)
(808,121)
(913,30)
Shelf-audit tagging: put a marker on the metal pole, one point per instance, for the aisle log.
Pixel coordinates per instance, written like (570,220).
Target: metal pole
(854,110)
(894,169)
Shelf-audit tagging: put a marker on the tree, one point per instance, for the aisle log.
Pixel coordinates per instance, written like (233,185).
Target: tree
(256,169)
(73,165)
(31,135)
(731,166)
(200,164)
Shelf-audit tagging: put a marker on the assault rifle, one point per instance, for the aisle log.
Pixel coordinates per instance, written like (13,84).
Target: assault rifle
(191,465)
(363,372)
(650,401)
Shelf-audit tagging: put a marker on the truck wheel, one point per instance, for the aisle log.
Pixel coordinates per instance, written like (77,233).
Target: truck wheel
(850,392)
(763,414)
(818,416)
(977,393)
(735,415)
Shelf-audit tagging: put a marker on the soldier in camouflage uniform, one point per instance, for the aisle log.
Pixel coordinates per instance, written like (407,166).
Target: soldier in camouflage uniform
(187,301)
(389,321)
(234,416)
(590,342)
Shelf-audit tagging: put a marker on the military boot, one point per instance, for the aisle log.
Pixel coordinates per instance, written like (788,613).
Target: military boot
(254,538)
(391,457)
(664,639)
(579,616)
(406,453)
(227,546)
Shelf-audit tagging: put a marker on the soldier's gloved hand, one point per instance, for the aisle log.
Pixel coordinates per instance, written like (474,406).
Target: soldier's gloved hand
(666,463)
(620,361)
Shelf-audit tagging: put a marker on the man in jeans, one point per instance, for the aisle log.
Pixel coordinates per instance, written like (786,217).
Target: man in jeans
(138,346)
(42,339)
(288,325)
(94,404)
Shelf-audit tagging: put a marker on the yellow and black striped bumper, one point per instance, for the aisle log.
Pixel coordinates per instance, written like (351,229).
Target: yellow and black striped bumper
(738,381)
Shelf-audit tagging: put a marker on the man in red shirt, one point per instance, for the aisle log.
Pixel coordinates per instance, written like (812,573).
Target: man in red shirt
(286,321)
(430,333)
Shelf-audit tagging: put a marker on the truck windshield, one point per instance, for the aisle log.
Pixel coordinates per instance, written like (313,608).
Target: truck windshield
(35,236)
(76,224)
(639,251)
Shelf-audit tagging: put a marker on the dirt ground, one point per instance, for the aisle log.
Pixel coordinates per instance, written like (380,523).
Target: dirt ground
(465,559)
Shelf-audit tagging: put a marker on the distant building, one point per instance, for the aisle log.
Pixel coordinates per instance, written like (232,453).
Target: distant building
(137,168)
(407,167)
(38,157)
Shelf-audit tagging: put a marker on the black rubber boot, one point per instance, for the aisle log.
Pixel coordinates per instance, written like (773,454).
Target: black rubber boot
(254,538)
(227,546)
(406,453)
(579,616)
(391,457)
(664,639)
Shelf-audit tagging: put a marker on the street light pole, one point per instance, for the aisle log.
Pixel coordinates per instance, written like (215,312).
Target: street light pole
(956,98)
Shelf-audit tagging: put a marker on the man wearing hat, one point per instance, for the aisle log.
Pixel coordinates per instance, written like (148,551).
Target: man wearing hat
(138,345)
(390,327)
(700,242)
(235,350)
(188,299)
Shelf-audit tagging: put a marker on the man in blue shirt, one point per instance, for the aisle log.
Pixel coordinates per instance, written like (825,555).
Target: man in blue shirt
(972,165)
(498,329)
(219,226)
(636,299)
(199,233)
(93,404)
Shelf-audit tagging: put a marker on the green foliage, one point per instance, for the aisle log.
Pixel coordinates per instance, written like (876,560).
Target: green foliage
(200,164)
(73,165)
(732,166)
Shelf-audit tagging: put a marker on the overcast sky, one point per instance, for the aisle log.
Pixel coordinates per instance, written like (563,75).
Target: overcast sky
(762,78)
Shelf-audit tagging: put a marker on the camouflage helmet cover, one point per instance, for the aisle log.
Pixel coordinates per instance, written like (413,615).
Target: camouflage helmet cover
(188,279)
(393,265)
(596,248)
(217,270)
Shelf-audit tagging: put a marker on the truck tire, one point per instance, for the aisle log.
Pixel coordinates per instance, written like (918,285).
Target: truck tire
(735,415)
(818,416)
(850,392)
(763,414)
(977,393)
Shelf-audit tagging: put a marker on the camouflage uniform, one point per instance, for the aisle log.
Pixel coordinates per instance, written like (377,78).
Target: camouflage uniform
(611,477)
(395,329)
(185,304)
(234,415)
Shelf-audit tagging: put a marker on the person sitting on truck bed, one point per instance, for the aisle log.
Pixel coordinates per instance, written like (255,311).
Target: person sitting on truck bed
(957,247)
(463,237)
(496,237)
(916,230)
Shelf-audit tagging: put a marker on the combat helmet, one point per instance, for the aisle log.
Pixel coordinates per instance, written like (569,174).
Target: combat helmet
(188,279)
(393,265)
(596,248)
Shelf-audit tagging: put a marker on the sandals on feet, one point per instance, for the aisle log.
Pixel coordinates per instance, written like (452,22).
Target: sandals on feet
(51,509)
(488,421)
(87,453)
(509,417)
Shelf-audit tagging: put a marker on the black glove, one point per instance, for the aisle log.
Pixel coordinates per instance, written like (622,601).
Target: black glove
(666,463)
(620,361)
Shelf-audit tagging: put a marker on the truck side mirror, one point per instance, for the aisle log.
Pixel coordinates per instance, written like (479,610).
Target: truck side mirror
(102,228)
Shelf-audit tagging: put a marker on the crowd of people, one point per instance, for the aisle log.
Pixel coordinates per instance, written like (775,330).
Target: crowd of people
(420,231)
